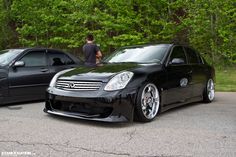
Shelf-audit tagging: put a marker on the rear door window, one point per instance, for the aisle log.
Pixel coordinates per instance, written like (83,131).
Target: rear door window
(59,58)
(192,56)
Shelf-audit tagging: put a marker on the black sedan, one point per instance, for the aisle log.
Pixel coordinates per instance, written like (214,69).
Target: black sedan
(134,82)
(26,73)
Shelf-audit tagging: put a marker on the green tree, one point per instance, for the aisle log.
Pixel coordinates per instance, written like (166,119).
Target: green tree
(64,24)
(209,26)
(7,27)
(212,27)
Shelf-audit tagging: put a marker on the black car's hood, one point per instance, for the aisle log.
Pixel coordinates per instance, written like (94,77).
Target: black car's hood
(103,72)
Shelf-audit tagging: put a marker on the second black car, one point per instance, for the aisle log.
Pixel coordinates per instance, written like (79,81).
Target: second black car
(26,73)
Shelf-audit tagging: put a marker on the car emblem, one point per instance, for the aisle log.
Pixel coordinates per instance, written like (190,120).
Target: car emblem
(72,85)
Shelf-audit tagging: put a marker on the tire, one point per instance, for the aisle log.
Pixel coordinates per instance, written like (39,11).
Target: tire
(209,91)
(148,103)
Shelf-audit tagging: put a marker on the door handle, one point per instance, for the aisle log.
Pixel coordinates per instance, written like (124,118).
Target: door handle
(44,70)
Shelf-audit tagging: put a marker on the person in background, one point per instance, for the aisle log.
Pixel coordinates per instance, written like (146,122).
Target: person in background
(91,51)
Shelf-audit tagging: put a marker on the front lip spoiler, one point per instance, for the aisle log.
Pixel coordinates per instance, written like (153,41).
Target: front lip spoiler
(81,116)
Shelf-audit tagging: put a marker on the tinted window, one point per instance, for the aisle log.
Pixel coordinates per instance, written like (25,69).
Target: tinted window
(193,58)
(34,58)
(58,58)
(178,53)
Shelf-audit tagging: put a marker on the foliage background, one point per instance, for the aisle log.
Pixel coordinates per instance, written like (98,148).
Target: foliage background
(208,26)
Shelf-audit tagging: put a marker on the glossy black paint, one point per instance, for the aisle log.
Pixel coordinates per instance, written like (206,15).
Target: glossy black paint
(26,83)
(165,75)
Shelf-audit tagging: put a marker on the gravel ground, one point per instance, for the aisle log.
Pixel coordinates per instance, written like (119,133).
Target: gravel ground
(201,130)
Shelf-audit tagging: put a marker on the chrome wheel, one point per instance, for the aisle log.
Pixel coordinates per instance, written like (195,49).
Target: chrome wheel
(150,101)
(210,89)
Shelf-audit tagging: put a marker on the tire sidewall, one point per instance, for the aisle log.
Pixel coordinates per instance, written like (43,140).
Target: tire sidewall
(205,93)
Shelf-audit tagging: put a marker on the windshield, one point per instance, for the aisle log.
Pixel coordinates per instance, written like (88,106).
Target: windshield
(145,54)
(6,56)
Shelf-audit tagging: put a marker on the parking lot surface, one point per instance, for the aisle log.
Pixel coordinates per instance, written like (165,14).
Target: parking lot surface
(201,130)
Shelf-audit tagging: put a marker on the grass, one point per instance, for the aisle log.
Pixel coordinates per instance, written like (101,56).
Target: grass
(226,79)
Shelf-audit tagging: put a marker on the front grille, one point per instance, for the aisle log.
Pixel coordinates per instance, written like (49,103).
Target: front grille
(78,85)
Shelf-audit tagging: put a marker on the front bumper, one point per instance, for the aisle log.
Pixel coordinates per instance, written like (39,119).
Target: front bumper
(117,106)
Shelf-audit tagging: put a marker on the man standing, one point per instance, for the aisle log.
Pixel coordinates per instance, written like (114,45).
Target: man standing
(91,51)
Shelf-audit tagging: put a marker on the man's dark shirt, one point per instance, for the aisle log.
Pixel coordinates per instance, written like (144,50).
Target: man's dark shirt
(90,50)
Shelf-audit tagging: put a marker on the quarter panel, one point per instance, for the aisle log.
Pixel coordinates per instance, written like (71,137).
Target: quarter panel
(199,79)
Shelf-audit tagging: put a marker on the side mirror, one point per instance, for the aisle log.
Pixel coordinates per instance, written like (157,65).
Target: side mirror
(177,61)
(19,64)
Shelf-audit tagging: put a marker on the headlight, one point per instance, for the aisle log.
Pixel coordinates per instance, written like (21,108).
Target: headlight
(119,81)
(54,79)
